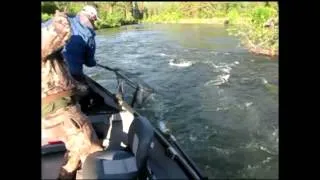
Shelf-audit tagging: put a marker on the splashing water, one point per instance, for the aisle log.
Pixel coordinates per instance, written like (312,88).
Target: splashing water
(247,104)
(162,54)
(264,81)
(221,79)
(181,64)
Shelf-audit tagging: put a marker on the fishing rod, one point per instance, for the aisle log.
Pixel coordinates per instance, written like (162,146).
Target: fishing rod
(108,68)
(116,71)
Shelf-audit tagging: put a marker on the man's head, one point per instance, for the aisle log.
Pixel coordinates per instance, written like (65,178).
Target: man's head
(90,12)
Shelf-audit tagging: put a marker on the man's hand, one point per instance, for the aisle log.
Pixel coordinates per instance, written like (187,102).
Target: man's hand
(55,35)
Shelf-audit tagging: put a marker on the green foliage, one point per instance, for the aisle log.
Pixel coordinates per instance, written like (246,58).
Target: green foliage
(110,20)
(48,7)
(168,13)
(253,32)
(233,16)
(160,11)
(74,7)
(261,14)
(112,14)
(45,17)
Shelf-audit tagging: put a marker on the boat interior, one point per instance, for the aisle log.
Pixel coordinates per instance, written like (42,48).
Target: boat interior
(134,149)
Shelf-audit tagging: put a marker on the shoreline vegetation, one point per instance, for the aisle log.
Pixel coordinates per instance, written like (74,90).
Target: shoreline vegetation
(254,23)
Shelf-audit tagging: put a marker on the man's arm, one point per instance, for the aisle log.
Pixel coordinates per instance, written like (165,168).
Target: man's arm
(55,35)
(91,49)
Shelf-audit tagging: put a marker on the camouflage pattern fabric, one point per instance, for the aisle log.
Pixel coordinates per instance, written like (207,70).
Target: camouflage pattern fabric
(68,123)
(73,128)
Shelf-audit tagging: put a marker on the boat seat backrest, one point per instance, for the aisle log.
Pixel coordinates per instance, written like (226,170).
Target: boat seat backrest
(139,139)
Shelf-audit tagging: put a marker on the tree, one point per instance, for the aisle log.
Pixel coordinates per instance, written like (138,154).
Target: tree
(267,3)
(48,7)
(112,4)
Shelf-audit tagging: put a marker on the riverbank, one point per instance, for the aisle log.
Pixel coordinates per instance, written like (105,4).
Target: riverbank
(246,42)
(217,21)
(189,21)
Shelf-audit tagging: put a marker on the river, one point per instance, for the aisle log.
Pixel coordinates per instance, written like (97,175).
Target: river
(220,101)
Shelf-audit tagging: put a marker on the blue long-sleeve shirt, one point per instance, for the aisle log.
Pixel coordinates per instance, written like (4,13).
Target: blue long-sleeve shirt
(81,47)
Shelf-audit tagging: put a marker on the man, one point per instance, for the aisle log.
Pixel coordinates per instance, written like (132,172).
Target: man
(80,51)
(81,48)
(62,118)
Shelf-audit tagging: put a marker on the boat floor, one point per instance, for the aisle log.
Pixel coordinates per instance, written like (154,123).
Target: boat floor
(162,166)
(51,165)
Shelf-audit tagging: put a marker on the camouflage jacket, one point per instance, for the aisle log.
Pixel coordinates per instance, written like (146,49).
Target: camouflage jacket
(55,76)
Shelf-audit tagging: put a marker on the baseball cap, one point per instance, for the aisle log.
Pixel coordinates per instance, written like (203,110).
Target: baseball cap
(91,12)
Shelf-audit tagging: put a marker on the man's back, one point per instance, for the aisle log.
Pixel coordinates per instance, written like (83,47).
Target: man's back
(81,47)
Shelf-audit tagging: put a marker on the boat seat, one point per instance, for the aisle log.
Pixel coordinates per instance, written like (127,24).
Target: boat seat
(122,164)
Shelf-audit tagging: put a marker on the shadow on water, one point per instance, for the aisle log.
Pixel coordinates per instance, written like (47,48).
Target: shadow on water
(220,101)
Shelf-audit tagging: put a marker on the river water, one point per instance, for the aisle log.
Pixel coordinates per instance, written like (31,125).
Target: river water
(220,101)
